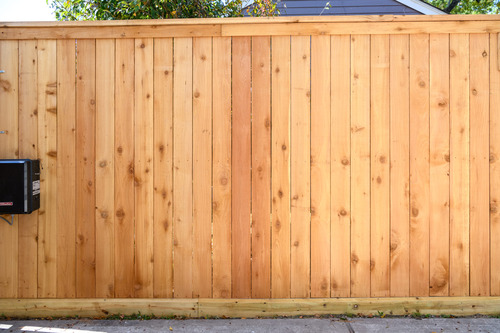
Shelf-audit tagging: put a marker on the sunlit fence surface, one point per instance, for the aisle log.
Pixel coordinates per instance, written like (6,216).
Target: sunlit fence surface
(255,158)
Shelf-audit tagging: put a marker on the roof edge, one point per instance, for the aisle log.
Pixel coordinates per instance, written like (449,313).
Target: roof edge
(422,7)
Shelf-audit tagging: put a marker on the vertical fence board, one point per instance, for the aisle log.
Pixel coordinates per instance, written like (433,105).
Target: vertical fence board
(47,153)
(439,193)
(360,166)
(241,168)
(340,171)
(124,168)
(221,168)
(28,147)
(280,173)
(261,167)
(300,146)
(202,167)
(380,171)
(320,166)
(162,159)
(419,165)
(66,163)
(105,167)
(85,168)
(143,175)
(183,172)
(495,164)
(9,148)
(400,146)
(479,166)
(459,165)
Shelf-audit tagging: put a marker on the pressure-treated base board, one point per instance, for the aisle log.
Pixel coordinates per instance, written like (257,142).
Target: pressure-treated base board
(38,308)
(86,307)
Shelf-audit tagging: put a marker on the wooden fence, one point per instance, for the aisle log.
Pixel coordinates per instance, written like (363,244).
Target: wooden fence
(265,158)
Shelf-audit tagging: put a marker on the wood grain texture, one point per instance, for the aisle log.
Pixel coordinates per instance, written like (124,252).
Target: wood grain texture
(143,165)
(47,154)
(241,168)
(85,168)
(202,167)
(9,148)
(249,308)
(340,97)
(479,165)
(105,168)
(400,164)
(380,169)
(28,149)
(66,169)
(280,172)
(281,26)
(439,196)
(360,166)
(221,209)
(320,165)
(419,165)
(494,165)
(124,168)
(162,159)
(183,172)
(338,28)
(459,165)
(300,191)
(261,167)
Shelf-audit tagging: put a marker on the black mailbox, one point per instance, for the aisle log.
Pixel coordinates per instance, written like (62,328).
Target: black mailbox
(19,186)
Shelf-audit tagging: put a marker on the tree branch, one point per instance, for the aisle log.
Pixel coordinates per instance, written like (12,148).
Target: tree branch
(451,5)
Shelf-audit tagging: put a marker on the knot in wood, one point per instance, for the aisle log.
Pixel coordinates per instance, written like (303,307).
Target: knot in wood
(120,213)
(493,208)
(414,211)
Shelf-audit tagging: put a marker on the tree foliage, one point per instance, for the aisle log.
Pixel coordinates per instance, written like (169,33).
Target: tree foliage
(469,6)
(73,10)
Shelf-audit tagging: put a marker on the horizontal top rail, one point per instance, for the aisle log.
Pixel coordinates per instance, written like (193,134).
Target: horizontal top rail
(268,26)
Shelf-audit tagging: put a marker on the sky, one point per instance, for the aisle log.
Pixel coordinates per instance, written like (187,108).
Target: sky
(25,10)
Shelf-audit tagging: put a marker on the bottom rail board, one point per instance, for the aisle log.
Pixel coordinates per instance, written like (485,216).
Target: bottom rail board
(234,308)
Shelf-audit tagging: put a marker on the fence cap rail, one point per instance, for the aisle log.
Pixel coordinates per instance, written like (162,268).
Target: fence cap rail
(261,26)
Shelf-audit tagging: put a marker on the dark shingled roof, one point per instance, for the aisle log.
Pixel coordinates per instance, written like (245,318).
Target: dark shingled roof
(345,7)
